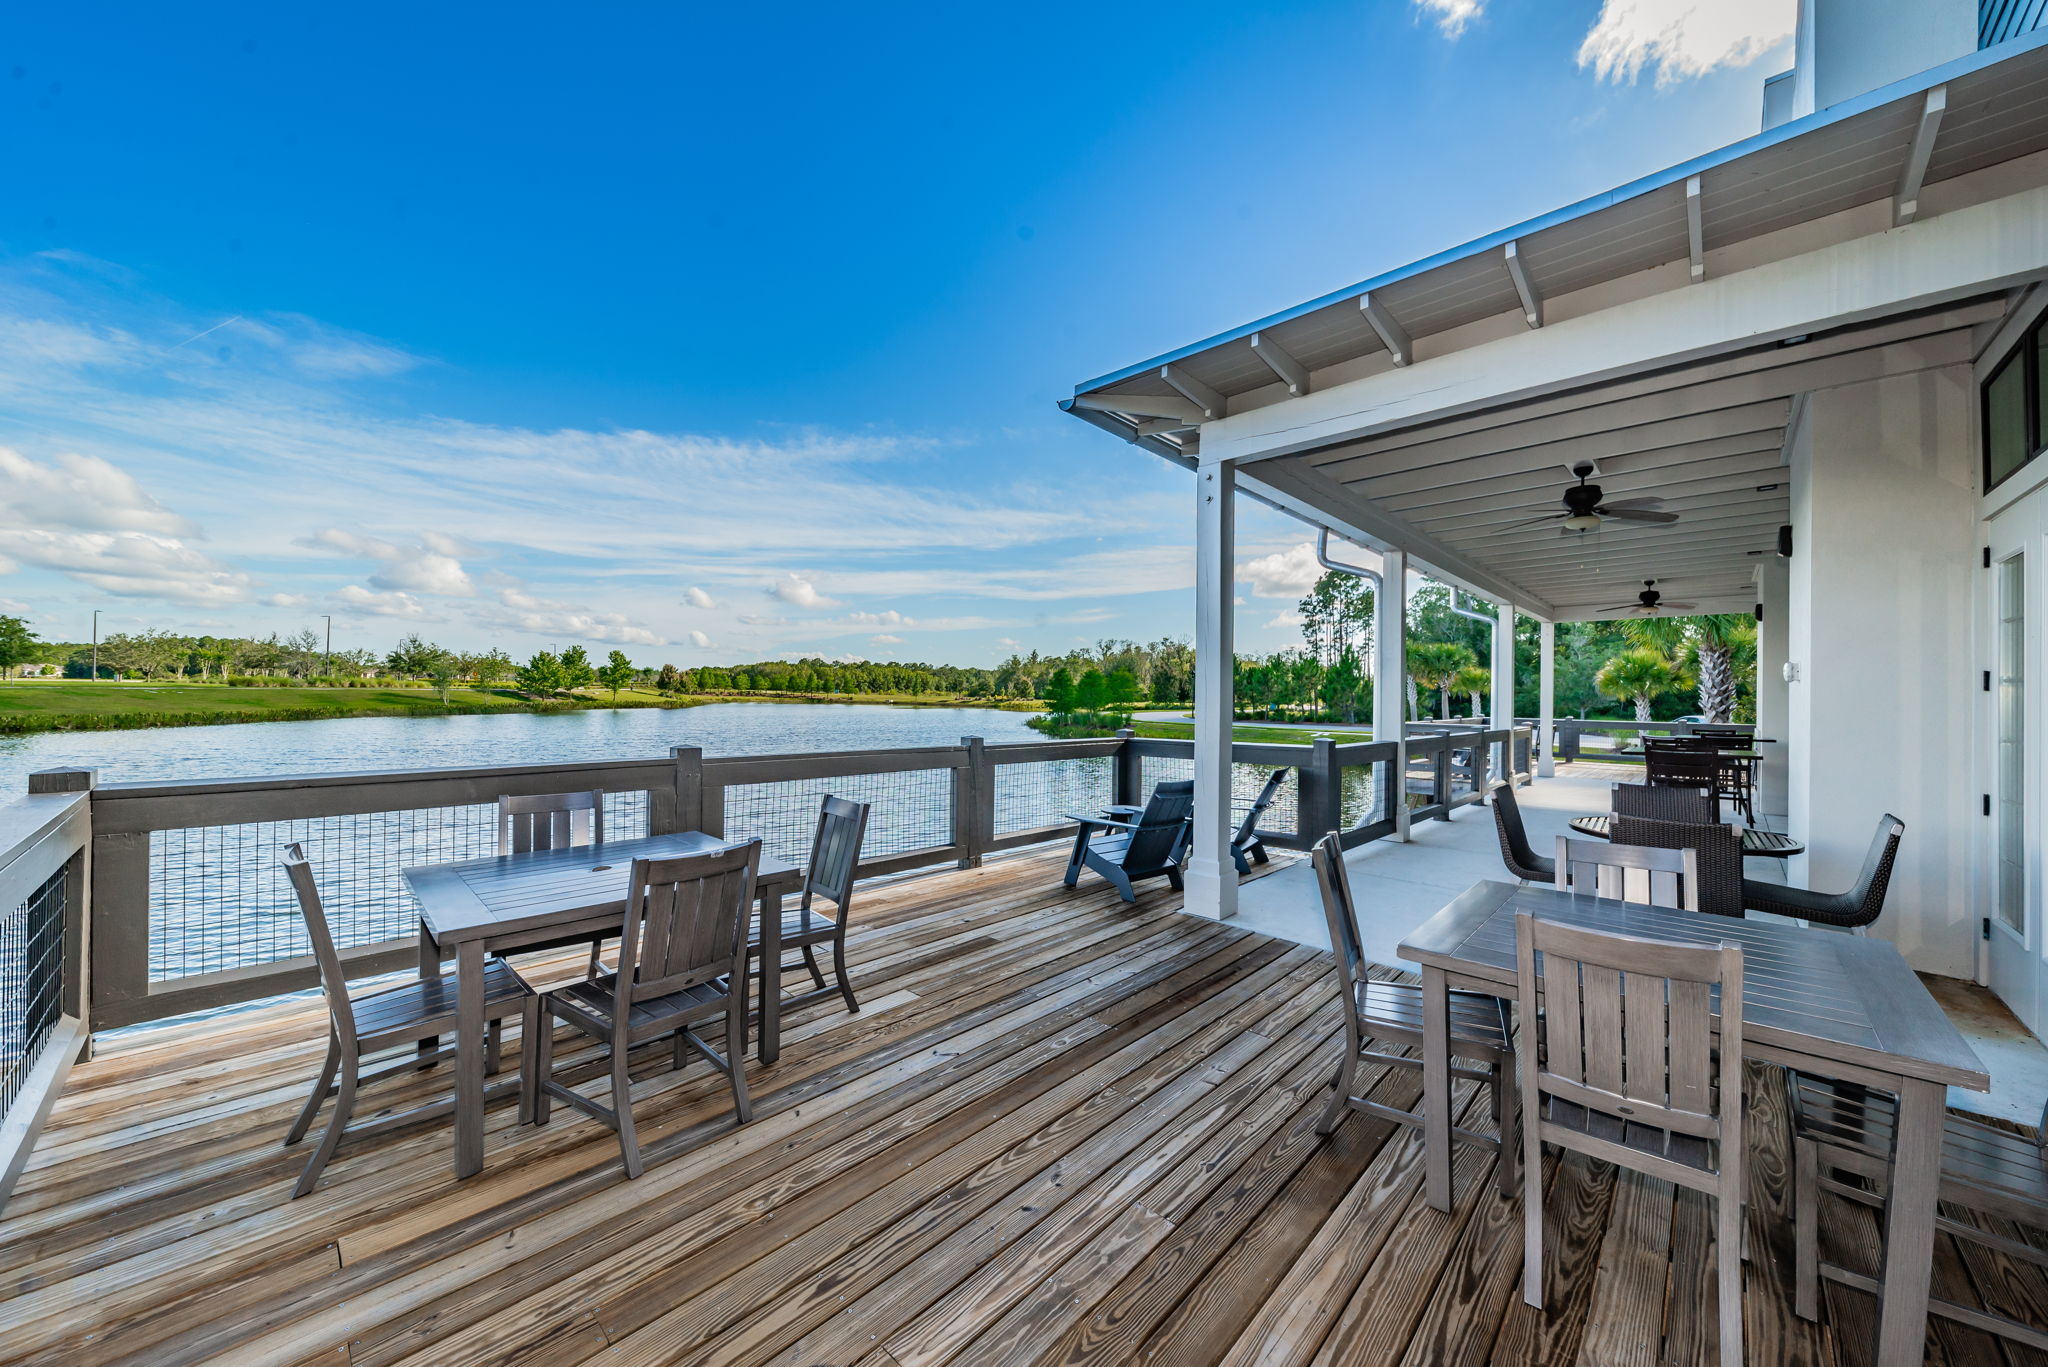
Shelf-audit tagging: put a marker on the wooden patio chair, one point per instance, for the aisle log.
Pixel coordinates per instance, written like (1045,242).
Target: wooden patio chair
(361,1023)
(1515,850)
(1841,1127)
(1627,1073)
(835,856)
(1667,802)
(1125,852)
(554,821)
(1385,1013)
(1718,848)
(1629,873)
(1857,906)
(682,961)
(1246,847)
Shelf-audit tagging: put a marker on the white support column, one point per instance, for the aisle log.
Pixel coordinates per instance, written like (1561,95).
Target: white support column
(1390,676)
(1773,694)
(1546,713)
(1504,669)
(1211,876)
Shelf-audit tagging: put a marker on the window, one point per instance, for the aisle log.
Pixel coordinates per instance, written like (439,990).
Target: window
(2015,411)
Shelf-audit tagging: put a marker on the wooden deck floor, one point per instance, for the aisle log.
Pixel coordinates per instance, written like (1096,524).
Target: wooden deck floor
(1061,1131)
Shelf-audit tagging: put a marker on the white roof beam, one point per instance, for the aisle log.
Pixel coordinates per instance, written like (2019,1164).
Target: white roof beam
(1392,336)
(1695,235)
(1906,203)
(1280,363)
(1140,406)
(1200,395)
(1159,427)
(1532,302)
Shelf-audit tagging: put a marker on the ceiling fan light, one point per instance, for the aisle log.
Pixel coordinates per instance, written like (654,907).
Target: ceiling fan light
(1582,522)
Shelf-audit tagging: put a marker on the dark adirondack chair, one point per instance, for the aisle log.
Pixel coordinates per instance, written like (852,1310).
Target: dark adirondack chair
(1246,847)
(361,1023)
(1125,851)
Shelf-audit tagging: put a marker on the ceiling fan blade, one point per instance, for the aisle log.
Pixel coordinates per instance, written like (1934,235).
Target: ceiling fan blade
(1622,607)
(1634,514)
(1678,607)
(1547,517)
(1647,501)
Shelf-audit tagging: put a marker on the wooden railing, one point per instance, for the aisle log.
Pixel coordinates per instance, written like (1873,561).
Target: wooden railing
(1571,732)
(178,906)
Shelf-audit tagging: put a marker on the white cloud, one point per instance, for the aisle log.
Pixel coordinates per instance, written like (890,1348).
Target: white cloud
(394,604)
(1283,574)
(130,564)
(885,640)
(427,566)
(1006,641)
(891,618)
(1290,618)
(697,598)
(81,492)
(755,619)
(285,600)
(1682,39)
(799,592)
(700,640)
(1451,16)
(522,611)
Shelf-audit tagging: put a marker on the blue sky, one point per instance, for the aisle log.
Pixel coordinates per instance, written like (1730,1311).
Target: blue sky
(727,332)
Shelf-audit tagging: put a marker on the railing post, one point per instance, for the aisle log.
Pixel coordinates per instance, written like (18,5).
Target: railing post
(680,807)
(77,990)
(1129,770)
(1319,805)
(974,803)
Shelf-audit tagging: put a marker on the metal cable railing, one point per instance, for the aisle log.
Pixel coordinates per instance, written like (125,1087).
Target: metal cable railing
(31,982)
(909,810)
(1040,793)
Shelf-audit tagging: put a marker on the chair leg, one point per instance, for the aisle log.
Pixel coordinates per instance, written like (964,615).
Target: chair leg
(494,1040)
(1507,1098)
(344,1104)
(1729,1276)
(677,1050)
(320,1086)
(529,1062)
(543,1062)
(596,962)
(1532,1208)
(1174,880)
(1074,862)
(839,972)
(1805,1229)
(622,1106)
(1340,1098)
(811,962)
(736,1063)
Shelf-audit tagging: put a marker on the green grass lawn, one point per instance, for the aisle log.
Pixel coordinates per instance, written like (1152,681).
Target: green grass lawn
(30,706)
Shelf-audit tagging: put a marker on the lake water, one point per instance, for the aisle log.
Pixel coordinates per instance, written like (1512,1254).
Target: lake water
(259,749)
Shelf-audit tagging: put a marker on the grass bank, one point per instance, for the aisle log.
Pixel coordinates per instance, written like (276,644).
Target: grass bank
(29,708)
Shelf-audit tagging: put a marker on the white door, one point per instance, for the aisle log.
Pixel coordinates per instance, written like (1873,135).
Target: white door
(2013,921)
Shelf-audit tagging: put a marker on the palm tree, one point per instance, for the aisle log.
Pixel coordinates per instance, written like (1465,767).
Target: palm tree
(1637,675)
(1711,640)
(1433,664)
(1475,680)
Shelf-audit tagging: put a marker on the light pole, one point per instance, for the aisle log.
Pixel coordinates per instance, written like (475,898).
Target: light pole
(95,645)
(328,667)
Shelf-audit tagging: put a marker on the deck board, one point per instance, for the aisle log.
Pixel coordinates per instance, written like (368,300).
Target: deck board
(1062,1131)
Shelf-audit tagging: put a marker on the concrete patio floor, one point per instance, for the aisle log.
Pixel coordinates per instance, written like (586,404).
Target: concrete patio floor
(1398,886)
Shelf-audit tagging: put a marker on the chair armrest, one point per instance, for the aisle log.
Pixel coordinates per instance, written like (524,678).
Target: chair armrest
(1102,821)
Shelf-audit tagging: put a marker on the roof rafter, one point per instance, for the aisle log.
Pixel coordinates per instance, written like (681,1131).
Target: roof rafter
(1906,203)
(1532,302)
(1281,363)
(1392,336)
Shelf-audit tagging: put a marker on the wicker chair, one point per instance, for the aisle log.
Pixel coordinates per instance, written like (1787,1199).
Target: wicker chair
(1667,802)
(1719,848)
(1515,850)
(1858,906)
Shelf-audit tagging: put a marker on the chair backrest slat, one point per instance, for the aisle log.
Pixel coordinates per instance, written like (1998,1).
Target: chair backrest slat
(1162,827)
(550,821)
(686,921)
(835,851)
(333,981)
(1246,827)
(1628,1023)
(1629,873)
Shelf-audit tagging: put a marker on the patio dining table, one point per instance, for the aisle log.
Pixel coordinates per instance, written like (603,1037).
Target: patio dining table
(1754,841)
(508,902)
(1842,1006)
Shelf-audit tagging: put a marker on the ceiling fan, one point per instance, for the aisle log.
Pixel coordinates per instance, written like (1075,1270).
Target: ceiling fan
(1649,600)
(1584,511)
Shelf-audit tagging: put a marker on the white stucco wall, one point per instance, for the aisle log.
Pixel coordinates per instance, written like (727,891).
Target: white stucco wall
(1884,505)
(1859,45)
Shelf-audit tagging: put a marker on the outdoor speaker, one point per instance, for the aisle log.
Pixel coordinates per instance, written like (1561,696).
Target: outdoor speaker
(1785,542)
(1759,612)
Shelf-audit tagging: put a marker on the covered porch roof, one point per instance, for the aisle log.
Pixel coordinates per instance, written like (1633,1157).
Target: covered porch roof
(1664,330)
